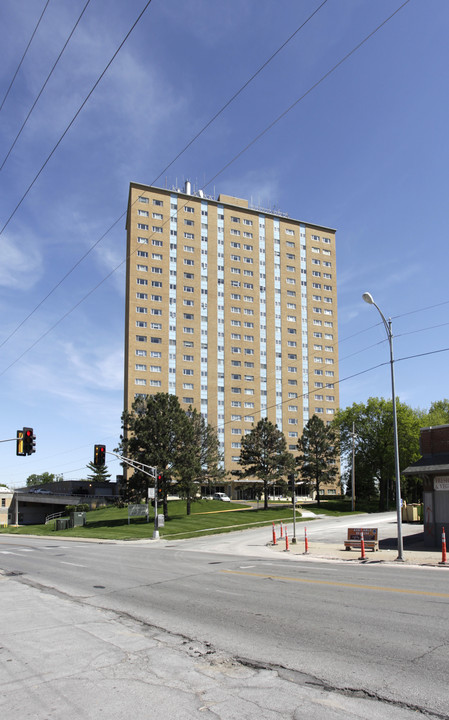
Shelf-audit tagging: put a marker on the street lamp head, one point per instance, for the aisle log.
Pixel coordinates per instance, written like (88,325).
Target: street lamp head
(368,298)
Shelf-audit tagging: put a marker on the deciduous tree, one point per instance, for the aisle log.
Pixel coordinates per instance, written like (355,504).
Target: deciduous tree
(44,477)
(374,443)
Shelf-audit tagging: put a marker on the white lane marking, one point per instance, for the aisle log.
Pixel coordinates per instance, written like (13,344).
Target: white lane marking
(69,563)
(246,567)
(8,552)
(26,549)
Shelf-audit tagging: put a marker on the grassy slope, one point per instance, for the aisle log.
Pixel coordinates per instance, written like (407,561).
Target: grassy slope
(207,517)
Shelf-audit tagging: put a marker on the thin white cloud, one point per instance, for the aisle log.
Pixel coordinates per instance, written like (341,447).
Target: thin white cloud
(98,368)
(21,264)
(258,190)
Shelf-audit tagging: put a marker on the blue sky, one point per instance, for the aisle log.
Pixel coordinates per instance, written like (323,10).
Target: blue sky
(365,152)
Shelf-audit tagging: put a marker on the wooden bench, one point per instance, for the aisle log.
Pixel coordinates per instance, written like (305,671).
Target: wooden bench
(370,539)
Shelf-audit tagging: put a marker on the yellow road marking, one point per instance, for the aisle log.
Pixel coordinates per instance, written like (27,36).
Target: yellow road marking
(310,581)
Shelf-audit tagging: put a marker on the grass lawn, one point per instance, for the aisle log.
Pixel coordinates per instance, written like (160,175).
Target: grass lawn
(207,517)
(342,506)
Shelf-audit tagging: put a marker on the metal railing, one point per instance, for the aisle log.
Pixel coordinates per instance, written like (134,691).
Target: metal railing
(54,515)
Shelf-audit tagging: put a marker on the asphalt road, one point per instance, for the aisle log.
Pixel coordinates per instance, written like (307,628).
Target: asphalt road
(360,631)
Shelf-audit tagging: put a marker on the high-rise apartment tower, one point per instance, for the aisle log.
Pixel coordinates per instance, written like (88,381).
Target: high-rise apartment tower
(233,309)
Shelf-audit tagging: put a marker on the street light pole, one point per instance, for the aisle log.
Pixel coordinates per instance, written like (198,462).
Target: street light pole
(353,470)
(368,298)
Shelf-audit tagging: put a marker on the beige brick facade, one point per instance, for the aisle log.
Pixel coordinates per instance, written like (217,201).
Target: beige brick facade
(232,309)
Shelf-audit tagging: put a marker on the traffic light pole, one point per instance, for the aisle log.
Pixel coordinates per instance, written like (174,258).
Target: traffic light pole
(151,472)
(156,529)
(294,515)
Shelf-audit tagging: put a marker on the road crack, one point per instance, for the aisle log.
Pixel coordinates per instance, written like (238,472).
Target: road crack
(233,665)
(307,680)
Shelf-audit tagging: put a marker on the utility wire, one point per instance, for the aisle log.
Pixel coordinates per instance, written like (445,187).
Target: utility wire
(23,56)
(381,342)
(236,94)
(395,317)
(74,307)
(95,85)
(299,396)
(304,95)
(241,152)
(430,327)
(336,382)
(428,307)
(43,86)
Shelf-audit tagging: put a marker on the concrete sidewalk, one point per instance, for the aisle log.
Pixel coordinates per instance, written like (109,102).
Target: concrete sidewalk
(414,553)
(65,658)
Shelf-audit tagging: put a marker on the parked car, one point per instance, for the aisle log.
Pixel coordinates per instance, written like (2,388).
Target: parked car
(221,496)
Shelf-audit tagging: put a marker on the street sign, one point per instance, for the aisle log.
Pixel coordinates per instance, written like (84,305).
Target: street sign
(151,493)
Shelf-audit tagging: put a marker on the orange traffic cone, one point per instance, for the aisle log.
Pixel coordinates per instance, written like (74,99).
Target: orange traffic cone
(443,548)
(306,542)
(362,544)
(274,535)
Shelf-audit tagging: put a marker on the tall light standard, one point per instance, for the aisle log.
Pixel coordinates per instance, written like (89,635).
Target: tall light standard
(368,298)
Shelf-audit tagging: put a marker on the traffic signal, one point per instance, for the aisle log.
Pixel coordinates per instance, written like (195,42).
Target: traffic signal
(99,455)
(291,482)
(29,441)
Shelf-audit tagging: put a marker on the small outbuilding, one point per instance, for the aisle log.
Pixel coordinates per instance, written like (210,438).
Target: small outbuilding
(433,468)
(6,497)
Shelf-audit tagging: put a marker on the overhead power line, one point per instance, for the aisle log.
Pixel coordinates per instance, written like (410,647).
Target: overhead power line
(305,94)
(336,382)
(239,91)
(206,184)
(300,396)
(23,56)
(398,335)
(428,307)
(43,86)
(92,90)
(204,128)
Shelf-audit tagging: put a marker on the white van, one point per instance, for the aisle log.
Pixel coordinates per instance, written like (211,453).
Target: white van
(221,496)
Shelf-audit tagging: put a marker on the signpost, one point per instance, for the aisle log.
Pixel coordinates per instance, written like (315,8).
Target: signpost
(138,511)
